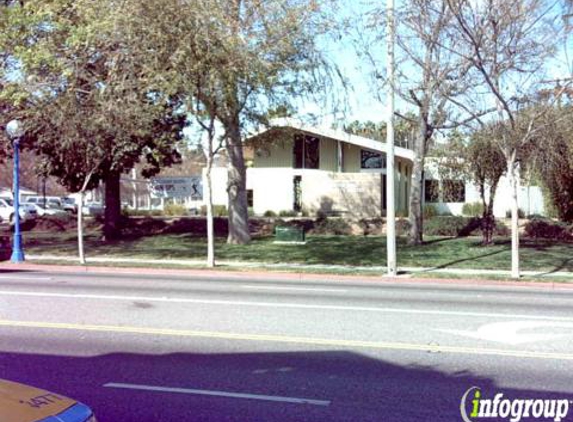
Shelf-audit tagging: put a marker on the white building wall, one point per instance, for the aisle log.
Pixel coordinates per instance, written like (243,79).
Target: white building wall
(530,198)
(273,189)
(219,181)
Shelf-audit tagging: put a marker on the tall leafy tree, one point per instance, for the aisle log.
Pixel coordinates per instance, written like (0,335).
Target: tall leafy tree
(509,44)
(477,159)
(552,159)
(83,95)
(429,78)
(239,59)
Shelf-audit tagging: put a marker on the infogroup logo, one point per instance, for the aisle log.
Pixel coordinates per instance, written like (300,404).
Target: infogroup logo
(474,407)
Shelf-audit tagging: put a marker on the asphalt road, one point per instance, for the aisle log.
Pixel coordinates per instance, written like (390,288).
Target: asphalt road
(142,348)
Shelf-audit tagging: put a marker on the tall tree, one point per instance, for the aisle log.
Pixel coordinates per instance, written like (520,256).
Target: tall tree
(477,159)
(429,78)
(552,159)
(251,56)
(508,44)
(80,90)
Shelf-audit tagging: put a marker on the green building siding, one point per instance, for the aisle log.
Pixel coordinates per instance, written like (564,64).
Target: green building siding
(351,160)
(328,154)
(275,155)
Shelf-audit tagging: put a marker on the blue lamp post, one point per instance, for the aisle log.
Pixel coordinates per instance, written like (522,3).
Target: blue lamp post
(15,132)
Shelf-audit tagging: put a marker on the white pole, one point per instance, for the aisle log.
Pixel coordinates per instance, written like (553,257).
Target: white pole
(390,195)
(134,186)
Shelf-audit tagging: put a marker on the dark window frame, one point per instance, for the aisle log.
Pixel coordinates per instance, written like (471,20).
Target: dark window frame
(431,191)
(367,155)
(306,152)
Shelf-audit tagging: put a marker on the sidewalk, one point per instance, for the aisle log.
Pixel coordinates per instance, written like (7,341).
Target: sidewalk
(225,267)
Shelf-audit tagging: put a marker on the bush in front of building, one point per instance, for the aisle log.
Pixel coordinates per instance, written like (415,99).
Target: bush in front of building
(472,209)
(336,226)
(288,213)
(175,210)
(430,211)
(452,226)
(269,214)
(456,226)
(541,228)
(141,213)
(218,211)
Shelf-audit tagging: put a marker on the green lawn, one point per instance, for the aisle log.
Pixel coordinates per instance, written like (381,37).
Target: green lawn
(340,250)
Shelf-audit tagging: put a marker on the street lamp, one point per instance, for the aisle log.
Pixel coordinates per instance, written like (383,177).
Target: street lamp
(15,131)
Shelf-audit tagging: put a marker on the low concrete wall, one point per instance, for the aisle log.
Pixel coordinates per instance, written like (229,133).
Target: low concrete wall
(352,194)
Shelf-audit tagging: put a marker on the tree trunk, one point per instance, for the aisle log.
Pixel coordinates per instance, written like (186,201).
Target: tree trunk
(488,219)
(416,213)
(485,240)
(209,201)
(237,188)
(111,229)
(513,181)
(81,229)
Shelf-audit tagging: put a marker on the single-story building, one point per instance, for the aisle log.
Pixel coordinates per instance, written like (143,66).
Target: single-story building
(312,170)
(306,169)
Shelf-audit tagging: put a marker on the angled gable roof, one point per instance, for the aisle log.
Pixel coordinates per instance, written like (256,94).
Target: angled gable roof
(337,135)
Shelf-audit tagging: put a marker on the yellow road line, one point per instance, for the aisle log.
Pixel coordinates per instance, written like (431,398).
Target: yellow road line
(379,345)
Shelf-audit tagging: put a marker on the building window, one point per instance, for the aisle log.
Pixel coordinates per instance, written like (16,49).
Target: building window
(431,191)
(249,197)
(371,160)
(454,191)
(297,206)
(306,152)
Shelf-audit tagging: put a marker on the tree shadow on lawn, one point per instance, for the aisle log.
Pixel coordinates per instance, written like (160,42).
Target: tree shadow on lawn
(351,386)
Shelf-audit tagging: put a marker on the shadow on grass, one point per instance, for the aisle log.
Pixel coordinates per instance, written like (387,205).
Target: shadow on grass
(439,253)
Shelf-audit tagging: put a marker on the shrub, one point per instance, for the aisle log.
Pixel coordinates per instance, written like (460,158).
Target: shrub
(218,210)
(450,226)
(174,210)
(370,226)
(287,213)
(540,228)
(501,229)
(332,226)
(141,213)
(269,213)
(430,211)
(472,209)
(520,213)
(402,227)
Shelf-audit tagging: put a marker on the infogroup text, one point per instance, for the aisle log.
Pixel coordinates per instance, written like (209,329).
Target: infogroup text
(474,407)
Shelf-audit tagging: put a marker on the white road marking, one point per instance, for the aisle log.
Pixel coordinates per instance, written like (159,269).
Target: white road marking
(18,277)
(302,289)
(282,399)
(508,332)
(282,305)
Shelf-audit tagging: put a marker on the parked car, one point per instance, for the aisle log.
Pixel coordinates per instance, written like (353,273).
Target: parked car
(27,212)
(41,200)
(24,403)
(69,204)
(50,209)
(93,209)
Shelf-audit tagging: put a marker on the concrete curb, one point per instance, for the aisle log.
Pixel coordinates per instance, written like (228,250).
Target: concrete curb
(253,274)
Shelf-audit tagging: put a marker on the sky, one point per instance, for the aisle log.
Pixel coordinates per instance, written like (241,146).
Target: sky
(363,103)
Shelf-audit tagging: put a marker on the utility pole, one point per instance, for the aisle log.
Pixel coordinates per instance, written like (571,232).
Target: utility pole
(390,196)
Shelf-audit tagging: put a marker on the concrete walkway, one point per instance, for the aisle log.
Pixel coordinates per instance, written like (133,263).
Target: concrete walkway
(405,272)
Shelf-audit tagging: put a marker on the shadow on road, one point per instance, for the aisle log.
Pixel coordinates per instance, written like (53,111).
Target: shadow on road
(359,388)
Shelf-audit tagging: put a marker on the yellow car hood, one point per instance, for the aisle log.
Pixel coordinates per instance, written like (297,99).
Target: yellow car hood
(22,403)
